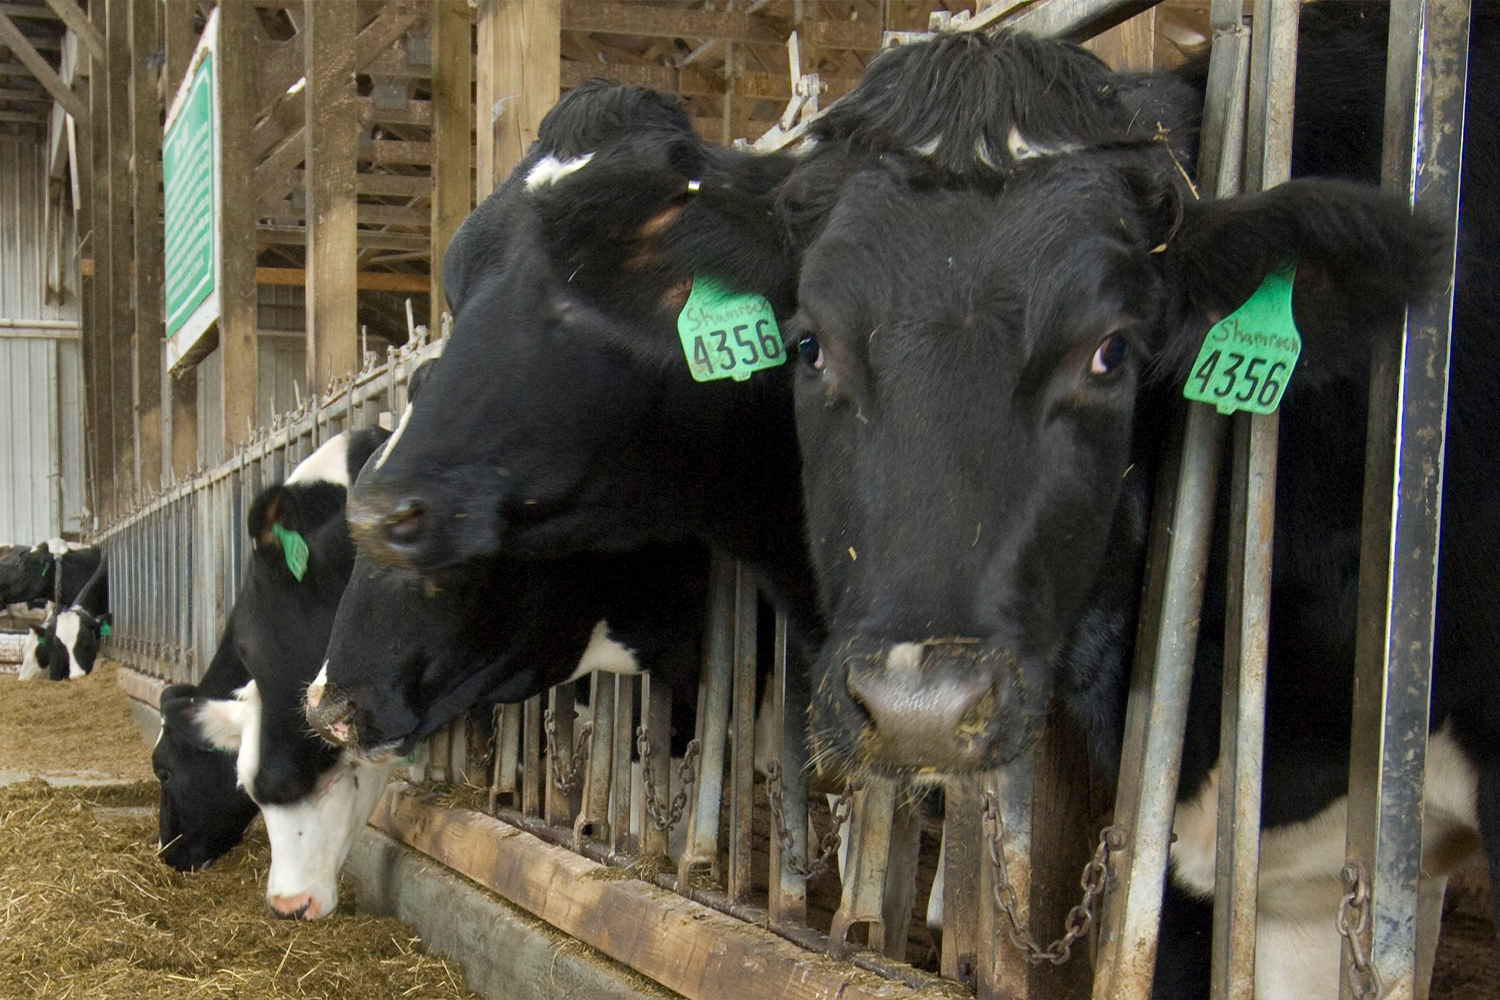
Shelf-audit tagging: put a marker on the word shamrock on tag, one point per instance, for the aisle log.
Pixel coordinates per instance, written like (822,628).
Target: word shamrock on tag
(727,334)
(1248,356)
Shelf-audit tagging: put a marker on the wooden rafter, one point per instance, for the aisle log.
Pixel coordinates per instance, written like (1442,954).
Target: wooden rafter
(12,38)
(73,16)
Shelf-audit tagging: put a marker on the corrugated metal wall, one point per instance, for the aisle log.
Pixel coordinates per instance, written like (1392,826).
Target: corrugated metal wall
(41,388)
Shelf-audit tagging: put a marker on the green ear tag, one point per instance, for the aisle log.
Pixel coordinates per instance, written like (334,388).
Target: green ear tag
(104,629)
(295,549)
(727,334)
(1248,356)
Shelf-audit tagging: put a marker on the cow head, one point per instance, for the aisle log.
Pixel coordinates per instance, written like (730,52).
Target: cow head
(77,635)
(202,813)
(310,836)
(983,375)
(563,415)
(26,575)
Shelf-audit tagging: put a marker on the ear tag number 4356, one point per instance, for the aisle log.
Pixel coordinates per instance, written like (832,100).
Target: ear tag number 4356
(727,334)
(1248,356)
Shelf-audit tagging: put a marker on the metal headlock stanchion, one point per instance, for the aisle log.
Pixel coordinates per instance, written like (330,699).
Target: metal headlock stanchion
(1387,952)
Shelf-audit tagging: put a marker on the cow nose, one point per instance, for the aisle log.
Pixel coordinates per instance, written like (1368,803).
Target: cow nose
(299,907)
(930,705)
(330,714)
(406,524)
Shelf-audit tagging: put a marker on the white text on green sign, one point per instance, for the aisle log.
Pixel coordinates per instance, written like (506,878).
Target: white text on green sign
(188,180)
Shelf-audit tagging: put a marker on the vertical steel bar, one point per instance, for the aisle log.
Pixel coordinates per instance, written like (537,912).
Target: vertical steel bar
(787,895)
(593,812)
(624,740)
(1427,70)
(1267,142)
(656,712)
(742,758)
(863,899)
(532,773)
(712,729)
(560,805)
(1157,712)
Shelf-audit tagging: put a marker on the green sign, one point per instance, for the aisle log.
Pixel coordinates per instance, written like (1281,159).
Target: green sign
(726,334)
(188,169)
(1248,356)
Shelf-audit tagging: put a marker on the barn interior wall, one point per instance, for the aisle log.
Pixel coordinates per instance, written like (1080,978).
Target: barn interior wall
(41,444)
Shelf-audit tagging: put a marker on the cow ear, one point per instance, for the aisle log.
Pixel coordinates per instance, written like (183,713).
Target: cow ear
(629,228)
(275,523)
(1360,256)
(221,722)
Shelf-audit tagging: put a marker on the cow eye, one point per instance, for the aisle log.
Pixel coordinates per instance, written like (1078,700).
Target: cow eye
(811,352)
(1110,355)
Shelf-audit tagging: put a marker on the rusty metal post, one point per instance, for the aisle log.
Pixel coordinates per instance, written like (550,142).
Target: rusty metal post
(1427,71)
(621,751)
(560,805)
(593,812)
(787,894)
(863,899)
(712,729)
(742,720)
(656,717)
(1004,972)
(961,858)
(532,772)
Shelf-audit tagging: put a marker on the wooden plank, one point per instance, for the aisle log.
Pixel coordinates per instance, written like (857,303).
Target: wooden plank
(368,239)
(386,152)
(12,38)
(697,951)
(38,118)
(452,114)
(150,242)
(180,40)
(237,300)
(120,244)
(520,54)
(73,16)
(374,281)
(332,133)
(674,22)
(1130,46)
(93,219)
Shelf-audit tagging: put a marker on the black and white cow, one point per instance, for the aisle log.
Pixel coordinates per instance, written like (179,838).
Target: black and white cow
(203,812)
(993,342)
(65,646)
(53,571)
(561,419)
(313,798)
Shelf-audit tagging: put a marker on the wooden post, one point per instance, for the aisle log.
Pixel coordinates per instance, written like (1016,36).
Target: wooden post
(331,136)
(146,140)
(82,153)
(184,391)
(518,72)
(238,71)
(452,77)
(102,373)
(179,39)
(119,247)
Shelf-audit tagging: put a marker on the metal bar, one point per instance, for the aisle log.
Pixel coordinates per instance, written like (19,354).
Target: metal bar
(624,740)
(742,758)
(901,876)
(560,805)
(531,756)
(1427,68)
(787,893)
(1072,20)
(593,813)
(713,726)
(656,712)
(1157,713)
(863,899)
(960,859)
(1004,971)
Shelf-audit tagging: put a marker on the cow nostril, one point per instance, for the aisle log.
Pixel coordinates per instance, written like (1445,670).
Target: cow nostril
(405,525)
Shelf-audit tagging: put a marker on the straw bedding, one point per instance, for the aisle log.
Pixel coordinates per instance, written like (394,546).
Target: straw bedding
(87,910)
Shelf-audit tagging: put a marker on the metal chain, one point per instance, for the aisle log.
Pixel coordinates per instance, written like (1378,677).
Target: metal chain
(828,846)
(566,774)
(1079,919)
(665,817)
(1364,977)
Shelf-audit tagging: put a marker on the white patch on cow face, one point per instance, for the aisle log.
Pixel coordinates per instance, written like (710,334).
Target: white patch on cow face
(904,659)
(1297,948)
(30,668)
(311,838)
(315,690)
(929,147)
(549,170)
(69,623)
(329,464)
(60,547)
(390,444)
(230,723)
(604,653)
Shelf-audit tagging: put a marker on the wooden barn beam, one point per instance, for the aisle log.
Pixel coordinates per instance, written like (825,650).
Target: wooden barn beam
(73,16)
(237,300)
(452,80)
(150,243)
(19,45)
(520,54)
(180,42)
(368,239)
(367,281)
(119,248)
(671,22)
(332,135)
(85,209)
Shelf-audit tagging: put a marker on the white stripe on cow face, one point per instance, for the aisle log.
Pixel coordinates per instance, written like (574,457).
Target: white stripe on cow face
(311,838)
(68,625)
(549,170)
(604,653)
(329,464)
(390,444)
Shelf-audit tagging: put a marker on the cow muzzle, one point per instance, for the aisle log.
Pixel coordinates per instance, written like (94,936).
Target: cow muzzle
(329,712)
(941,706)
